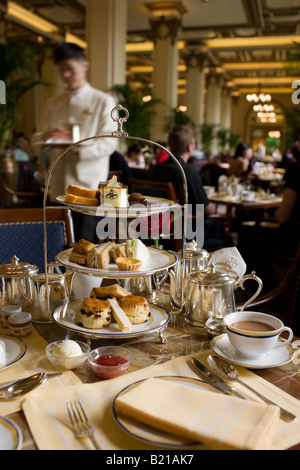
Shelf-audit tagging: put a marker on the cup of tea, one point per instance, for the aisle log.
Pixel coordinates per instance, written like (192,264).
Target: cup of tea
(253,334)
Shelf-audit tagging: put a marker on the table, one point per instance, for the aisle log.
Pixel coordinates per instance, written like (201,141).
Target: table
(259,203)
(182,339)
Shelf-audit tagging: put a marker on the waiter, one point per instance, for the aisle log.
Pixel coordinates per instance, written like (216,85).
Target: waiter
(88,164)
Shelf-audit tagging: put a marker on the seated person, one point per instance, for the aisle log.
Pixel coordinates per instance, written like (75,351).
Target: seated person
(239,163)
(182,143)
(135,157)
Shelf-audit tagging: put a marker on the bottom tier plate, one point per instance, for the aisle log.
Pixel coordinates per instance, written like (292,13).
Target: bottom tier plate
(65,316)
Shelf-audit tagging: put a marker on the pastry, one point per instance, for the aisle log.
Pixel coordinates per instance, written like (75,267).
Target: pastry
(136,308)
(99,257)
(120,317)
(80,251)
(128,264)
(136,198)
(93,314)
(110,292)
(112,193)
(135,248)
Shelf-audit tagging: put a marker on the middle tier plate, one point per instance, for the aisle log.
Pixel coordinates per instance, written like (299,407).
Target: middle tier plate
(159,260)
(65,316)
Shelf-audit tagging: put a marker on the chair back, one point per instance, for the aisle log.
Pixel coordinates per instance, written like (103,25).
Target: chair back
(210,173)
(157,189)
(22,234)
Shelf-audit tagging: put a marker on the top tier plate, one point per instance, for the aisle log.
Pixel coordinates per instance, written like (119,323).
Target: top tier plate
(154,206)
(159,260)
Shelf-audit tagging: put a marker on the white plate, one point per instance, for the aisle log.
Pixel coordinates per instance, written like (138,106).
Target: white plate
(154,206)
(15,350)
(159,260)
(275,358)
(65,316)
(10,435)
(149,434)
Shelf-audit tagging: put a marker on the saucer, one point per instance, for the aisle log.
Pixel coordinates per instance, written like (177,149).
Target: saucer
(275,358)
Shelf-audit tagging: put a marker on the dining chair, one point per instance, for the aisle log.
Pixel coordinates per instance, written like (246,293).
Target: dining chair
(22,234)
(210,174)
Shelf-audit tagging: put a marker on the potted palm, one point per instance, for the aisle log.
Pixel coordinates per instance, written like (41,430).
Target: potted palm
(18,74)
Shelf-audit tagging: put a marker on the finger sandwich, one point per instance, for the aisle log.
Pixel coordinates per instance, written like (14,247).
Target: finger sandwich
(99,256)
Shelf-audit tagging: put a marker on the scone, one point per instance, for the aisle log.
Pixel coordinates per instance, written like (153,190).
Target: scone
(136,308)
(110,292)
(99,257)
(80,251)
(94,314)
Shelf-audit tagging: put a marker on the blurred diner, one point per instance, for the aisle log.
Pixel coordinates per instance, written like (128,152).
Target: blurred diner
(239,163)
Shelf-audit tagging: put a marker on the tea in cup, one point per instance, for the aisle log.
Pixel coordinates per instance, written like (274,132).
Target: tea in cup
(253,334)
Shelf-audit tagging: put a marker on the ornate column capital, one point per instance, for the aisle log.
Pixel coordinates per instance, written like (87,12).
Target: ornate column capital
(165,27)
(195,59)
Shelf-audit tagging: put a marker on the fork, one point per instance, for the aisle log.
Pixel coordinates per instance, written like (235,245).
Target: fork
(80,422)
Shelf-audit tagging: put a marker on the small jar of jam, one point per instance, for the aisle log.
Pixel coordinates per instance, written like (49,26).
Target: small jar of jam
(8,310)
(20,324)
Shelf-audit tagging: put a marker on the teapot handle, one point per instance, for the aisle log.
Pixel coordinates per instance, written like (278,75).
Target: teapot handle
(241,285)
(28,299)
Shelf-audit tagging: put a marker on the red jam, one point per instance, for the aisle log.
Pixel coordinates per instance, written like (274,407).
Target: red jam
(109,367)
(108,360)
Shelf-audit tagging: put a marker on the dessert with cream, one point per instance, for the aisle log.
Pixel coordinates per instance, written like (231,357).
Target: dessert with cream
(136,249)
(112,193)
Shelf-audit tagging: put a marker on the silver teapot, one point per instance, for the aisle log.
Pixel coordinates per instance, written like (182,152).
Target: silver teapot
(10,288)
(194,260)
(43,294)
(212,296)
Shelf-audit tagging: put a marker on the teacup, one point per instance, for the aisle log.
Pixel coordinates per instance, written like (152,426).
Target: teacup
(253,334)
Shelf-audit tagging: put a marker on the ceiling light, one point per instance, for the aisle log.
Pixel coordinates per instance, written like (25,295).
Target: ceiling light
(251,42)
(75,40)
(25,16)
(166,8)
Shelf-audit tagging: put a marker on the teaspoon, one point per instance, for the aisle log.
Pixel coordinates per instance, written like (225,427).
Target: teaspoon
(20,387)
(228,372)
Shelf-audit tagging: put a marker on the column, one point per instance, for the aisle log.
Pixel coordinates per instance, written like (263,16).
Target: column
(195,88)
(226,104)
(165,72)
(106,30)
(213,107)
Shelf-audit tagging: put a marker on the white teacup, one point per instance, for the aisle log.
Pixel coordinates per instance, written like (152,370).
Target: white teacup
(253,334)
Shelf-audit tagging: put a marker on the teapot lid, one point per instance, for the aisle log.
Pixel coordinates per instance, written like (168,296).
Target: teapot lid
(16,269)
(211,278)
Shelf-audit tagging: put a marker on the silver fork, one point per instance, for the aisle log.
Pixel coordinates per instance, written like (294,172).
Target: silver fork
(80,422)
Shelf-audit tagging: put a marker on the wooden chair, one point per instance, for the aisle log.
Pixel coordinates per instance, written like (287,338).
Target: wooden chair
(14,197)
(22,234)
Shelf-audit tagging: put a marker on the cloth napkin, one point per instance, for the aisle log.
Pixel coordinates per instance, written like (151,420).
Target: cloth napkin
(49,423)
(34,360)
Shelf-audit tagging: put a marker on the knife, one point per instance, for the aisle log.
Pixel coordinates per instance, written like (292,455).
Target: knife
(215,380)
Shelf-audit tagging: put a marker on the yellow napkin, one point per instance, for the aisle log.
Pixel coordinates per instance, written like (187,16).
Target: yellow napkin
(34,360)
(49,423)
(220,420)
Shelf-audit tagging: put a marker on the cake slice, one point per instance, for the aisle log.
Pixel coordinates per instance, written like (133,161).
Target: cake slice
(120,316)
(99,257)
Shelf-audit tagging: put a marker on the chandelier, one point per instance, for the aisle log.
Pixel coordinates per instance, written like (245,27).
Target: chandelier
(262,97)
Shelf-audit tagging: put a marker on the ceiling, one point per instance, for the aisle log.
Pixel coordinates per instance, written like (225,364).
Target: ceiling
(242,37)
